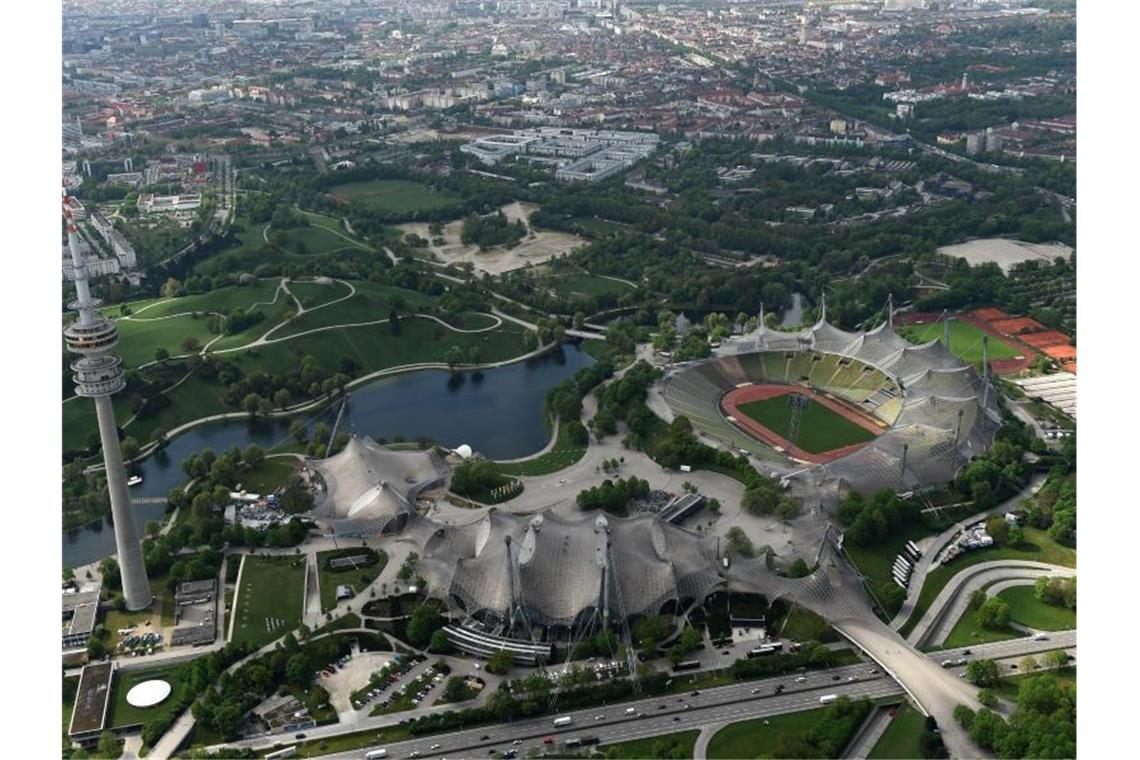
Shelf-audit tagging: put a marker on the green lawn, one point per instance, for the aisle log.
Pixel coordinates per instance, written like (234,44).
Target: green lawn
(560,457)
(268,476)
(313,240)
(1026,609)
(312,294)
(969,630)
(680,744)
(269,600)
(965,340)
(396,196)
(901,739)
(586,285)
(804,625)
(358,578)
(1036,546)
(120,714)
(753,739)
(369,303)
(821,429)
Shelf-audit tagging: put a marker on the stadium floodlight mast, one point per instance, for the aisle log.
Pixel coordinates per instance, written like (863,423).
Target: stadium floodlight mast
(98,375)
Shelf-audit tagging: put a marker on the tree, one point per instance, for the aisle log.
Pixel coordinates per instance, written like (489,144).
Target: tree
(394,326)
(298,670)
(500,662)
(982,673)
(299,432)
(189,344)
(454,357)
(172,288)
(988,698)
(253,455)
(1058,658)
(130,448)
(425,621)
(798,568)
(440,643)
(96,649)
(998,529)
(282,397)
(161,354)
(1028,664)
(251,403)
(108,745)
(994,613)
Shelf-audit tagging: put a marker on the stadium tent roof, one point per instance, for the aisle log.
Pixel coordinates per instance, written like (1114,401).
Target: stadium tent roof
(556,565)
(372,486)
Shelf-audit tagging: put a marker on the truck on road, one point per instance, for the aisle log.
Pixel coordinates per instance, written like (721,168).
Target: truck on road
(565,720)
(827,699)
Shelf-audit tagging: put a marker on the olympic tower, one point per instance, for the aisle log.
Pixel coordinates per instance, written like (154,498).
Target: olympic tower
(98,374)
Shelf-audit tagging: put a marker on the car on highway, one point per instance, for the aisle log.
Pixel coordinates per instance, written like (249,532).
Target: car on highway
(835,678)
(484,738)
(695,693)
(434,747)
(801,679)
(676,718)
(755,691)
(298,736)
(548,740)
(414,754)
(599,717)
(517,742)
(630,710)
(966,651)
(661,707)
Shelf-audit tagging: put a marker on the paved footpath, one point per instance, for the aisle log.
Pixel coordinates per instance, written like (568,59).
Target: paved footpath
(701,748)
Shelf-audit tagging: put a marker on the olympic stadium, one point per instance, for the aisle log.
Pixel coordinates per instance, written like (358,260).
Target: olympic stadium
(926,412)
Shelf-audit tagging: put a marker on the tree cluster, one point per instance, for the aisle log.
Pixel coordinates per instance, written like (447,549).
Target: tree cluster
(613,496)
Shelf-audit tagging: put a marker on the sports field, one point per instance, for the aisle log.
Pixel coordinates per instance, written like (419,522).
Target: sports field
(270,598)
(397,196)
(965,340)
(821,429)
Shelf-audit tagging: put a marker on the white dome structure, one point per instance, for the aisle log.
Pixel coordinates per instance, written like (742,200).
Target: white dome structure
(463,451)
(148,693)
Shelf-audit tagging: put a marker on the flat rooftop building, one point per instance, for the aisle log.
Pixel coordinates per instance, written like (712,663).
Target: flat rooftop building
(91,701)
(80,610)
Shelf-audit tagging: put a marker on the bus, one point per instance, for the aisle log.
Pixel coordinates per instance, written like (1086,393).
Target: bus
(289,751)
(376,754)
(827,699)
(766,649)
(565,720)
(687,665)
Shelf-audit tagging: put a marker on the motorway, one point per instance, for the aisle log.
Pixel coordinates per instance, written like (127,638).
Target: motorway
(726,703)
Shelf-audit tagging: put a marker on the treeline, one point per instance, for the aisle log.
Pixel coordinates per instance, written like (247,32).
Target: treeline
(613,496)
(492,230)
(564,400)
(1043,724)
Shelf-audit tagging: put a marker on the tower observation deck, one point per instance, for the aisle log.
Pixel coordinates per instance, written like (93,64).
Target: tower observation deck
(98,374)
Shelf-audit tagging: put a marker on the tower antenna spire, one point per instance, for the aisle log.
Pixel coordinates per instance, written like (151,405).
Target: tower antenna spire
(99,375)
(890,311)
(823,306)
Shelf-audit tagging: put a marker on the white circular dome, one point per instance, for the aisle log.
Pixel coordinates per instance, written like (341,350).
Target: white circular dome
(464,451)
(148,693)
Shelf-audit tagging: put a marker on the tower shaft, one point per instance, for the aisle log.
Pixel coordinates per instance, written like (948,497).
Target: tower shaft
(132,569)
(98,375)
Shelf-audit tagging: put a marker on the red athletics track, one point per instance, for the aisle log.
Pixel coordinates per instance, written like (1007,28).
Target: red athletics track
(730,405)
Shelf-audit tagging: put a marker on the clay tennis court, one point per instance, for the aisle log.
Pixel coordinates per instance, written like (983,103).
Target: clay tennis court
(732,402)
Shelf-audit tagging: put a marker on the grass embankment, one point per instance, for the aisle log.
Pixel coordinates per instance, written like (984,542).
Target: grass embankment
(270,599)
(1024,608)
(680,744)
(901,739)
(763,737)
(821,429)
(558,458)
(579,284)
(268,476)
(1036,546)
(346,742)
(965,340)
